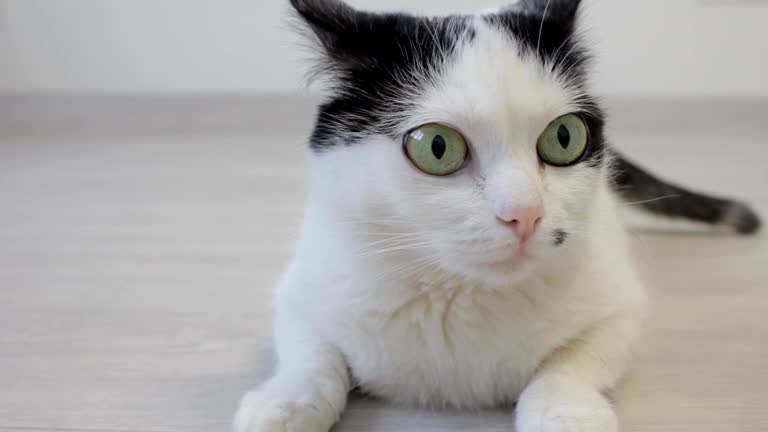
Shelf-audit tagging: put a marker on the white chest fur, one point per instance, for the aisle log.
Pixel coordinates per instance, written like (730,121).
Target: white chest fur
(452,344)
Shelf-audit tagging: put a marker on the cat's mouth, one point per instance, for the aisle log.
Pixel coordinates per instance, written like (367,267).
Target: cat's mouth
(508,261)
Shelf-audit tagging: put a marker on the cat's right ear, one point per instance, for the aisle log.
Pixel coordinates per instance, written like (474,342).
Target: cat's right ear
(336,26)
(559,10)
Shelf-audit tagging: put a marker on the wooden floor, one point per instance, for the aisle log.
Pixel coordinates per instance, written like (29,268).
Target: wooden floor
(135,277)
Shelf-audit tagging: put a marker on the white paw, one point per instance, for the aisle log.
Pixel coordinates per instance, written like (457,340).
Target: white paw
(565,407)
(264,412)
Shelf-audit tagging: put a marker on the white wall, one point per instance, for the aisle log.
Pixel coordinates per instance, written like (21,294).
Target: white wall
(646,47)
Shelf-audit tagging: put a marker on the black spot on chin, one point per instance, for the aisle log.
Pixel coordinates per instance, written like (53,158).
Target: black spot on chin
(560,237)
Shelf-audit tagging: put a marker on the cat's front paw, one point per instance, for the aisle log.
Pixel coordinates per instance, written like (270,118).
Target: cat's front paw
(564,406)
(263,412)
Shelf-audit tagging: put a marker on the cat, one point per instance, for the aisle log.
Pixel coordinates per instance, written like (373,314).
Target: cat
(462,245)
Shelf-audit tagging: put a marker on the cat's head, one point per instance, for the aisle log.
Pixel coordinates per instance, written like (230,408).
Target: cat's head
(468,143)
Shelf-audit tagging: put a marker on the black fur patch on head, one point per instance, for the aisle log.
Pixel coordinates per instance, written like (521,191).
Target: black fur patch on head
(370,57)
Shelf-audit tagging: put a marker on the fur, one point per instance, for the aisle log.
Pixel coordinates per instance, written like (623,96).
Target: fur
(406,285)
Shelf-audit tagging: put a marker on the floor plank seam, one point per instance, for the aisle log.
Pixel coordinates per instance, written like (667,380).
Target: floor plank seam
(70,429)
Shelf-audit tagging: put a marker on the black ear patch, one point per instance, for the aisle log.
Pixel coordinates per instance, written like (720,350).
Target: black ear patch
(545,27)
(335,25)
(323,14)
(357,40)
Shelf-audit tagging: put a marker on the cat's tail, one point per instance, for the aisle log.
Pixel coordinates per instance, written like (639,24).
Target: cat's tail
(654,195)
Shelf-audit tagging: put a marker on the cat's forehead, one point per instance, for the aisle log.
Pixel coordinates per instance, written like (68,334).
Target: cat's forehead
(495,76)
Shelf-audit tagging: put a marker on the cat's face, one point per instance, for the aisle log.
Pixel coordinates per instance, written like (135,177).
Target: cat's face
(466,143)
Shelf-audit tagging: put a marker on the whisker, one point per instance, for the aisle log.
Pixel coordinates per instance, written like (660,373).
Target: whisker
(541,27)
(651,200)
(393,241)
(393,234)
(399,248)
(409,268)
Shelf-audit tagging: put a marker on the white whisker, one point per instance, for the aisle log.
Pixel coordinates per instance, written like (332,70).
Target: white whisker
(651,200)
(541,27)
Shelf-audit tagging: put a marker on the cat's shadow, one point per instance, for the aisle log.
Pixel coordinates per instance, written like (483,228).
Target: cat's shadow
(368,414)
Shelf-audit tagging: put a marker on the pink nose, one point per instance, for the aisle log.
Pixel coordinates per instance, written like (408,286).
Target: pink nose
(523,221)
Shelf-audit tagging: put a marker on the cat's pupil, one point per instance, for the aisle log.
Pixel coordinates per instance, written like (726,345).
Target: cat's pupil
(564,136)
(438,147)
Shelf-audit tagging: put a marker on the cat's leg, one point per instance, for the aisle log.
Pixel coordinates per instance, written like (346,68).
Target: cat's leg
(567,392)
(308,392)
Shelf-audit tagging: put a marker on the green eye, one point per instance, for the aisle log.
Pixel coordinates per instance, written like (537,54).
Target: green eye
(436,149)
(565,141)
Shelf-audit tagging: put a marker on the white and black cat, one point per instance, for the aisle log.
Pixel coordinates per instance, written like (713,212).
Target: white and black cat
(462,245)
